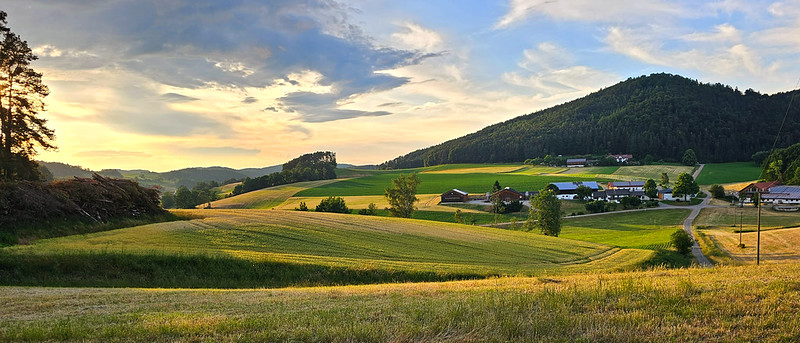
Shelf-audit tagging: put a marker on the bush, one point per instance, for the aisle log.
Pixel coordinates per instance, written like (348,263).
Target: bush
(333,204)
(302,207)
(630,202)
(681,241)
(651,203)
(596,206)
(717,191)
(371,210)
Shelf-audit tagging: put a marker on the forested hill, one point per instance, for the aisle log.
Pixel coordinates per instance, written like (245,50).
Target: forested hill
(661,115)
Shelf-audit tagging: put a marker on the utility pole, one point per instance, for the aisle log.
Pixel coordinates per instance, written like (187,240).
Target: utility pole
(758,230)
(741,218)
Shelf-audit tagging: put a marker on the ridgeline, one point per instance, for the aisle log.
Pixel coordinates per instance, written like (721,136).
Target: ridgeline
(661,115)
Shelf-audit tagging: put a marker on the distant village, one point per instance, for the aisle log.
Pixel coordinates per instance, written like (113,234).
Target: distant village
(781,197)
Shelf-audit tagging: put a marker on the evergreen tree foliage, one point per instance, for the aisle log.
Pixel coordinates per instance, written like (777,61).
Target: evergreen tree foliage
(583,192)
(664,180)
(320,165)
(650,189)
(661,115)
(22,94)
(402,195)
(689,158)
(783,165)
(545,213)
(371,210)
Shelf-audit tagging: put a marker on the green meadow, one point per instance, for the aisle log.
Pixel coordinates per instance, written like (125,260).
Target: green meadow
(721,173)
(437,183)
(640,230)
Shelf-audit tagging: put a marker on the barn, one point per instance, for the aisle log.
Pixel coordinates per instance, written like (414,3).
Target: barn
(508,194)
(455,195)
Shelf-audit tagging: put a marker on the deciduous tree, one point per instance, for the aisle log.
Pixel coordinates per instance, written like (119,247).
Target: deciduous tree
(689,158)
(402,195)
(22,94)
(685,185)
(545,213)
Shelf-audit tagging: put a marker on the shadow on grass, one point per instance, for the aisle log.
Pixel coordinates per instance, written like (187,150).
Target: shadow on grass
(106,269)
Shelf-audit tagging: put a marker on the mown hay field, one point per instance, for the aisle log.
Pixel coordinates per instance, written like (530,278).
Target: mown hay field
(268,197)
(684,305)
(730,217)
(298,240)
(777,246)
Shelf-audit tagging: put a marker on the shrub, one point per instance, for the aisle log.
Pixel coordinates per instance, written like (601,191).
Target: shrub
(596,206)
(681,241)
(630,202)
(371,210)
(302,207)
(333,204)
(717,191)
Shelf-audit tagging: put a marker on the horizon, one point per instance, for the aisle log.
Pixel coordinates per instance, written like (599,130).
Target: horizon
(189,84)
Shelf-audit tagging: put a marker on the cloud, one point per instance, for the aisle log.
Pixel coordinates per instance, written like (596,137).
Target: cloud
(206,44)
(177,98)
(415,37)
(112,154)
(249,100)
(219,151)
(630,11)
(549,70)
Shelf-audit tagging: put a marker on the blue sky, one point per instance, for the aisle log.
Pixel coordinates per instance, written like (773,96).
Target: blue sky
(246,83)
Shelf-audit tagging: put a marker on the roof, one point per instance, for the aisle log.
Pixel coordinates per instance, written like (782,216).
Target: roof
(666,190)
(783,192)
(622,156)
(458,191)
(618,184)
(571,186)
(576,160)
(762,186)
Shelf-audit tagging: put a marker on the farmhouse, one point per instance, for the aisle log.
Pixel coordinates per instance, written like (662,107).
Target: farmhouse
(507,194)
(629,185)
(782,195)
(455,195)
(566,190)
(576,162)
(616,194)
(621,158)
(760,187)
(665,194)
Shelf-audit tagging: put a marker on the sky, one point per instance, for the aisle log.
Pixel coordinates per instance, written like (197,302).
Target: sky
(169,84)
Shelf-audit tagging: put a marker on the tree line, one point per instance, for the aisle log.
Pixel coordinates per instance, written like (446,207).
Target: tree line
(662,115)
(320,165)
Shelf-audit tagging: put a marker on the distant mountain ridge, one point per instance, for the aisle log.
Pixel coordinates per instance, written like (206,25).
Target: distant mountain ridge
(660,114)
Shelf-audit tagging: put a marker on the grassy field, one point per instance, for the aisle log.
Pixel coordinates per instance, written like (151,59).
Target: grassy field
(641,230)
(721,173)
(727,216)
(270,248)
(268,197)
(741,304)
(777,246)
(652,172)
(437,183)
(591,170)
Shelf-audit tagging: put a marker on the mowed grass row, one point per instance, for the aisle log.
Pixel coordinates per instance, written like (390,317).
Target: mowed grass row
(730,217)
(686,305)
(316,248)
(432,183)
(721,173)
(777,246)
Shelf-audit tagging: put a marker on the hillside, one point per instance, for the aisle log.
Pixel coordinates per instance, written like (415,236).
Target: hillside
(661,115)
(271,248)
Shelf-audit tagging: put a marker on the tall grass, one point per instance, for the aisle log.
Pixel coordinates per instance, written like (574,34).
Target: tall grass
(687,305)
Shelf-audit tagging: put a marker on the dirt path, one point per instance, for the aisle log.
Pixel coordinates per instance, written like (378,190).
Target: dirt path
(687,226)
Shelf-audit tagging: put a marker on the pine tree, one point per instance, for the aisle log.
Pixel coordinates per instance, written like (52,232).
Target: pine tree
(22,94)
